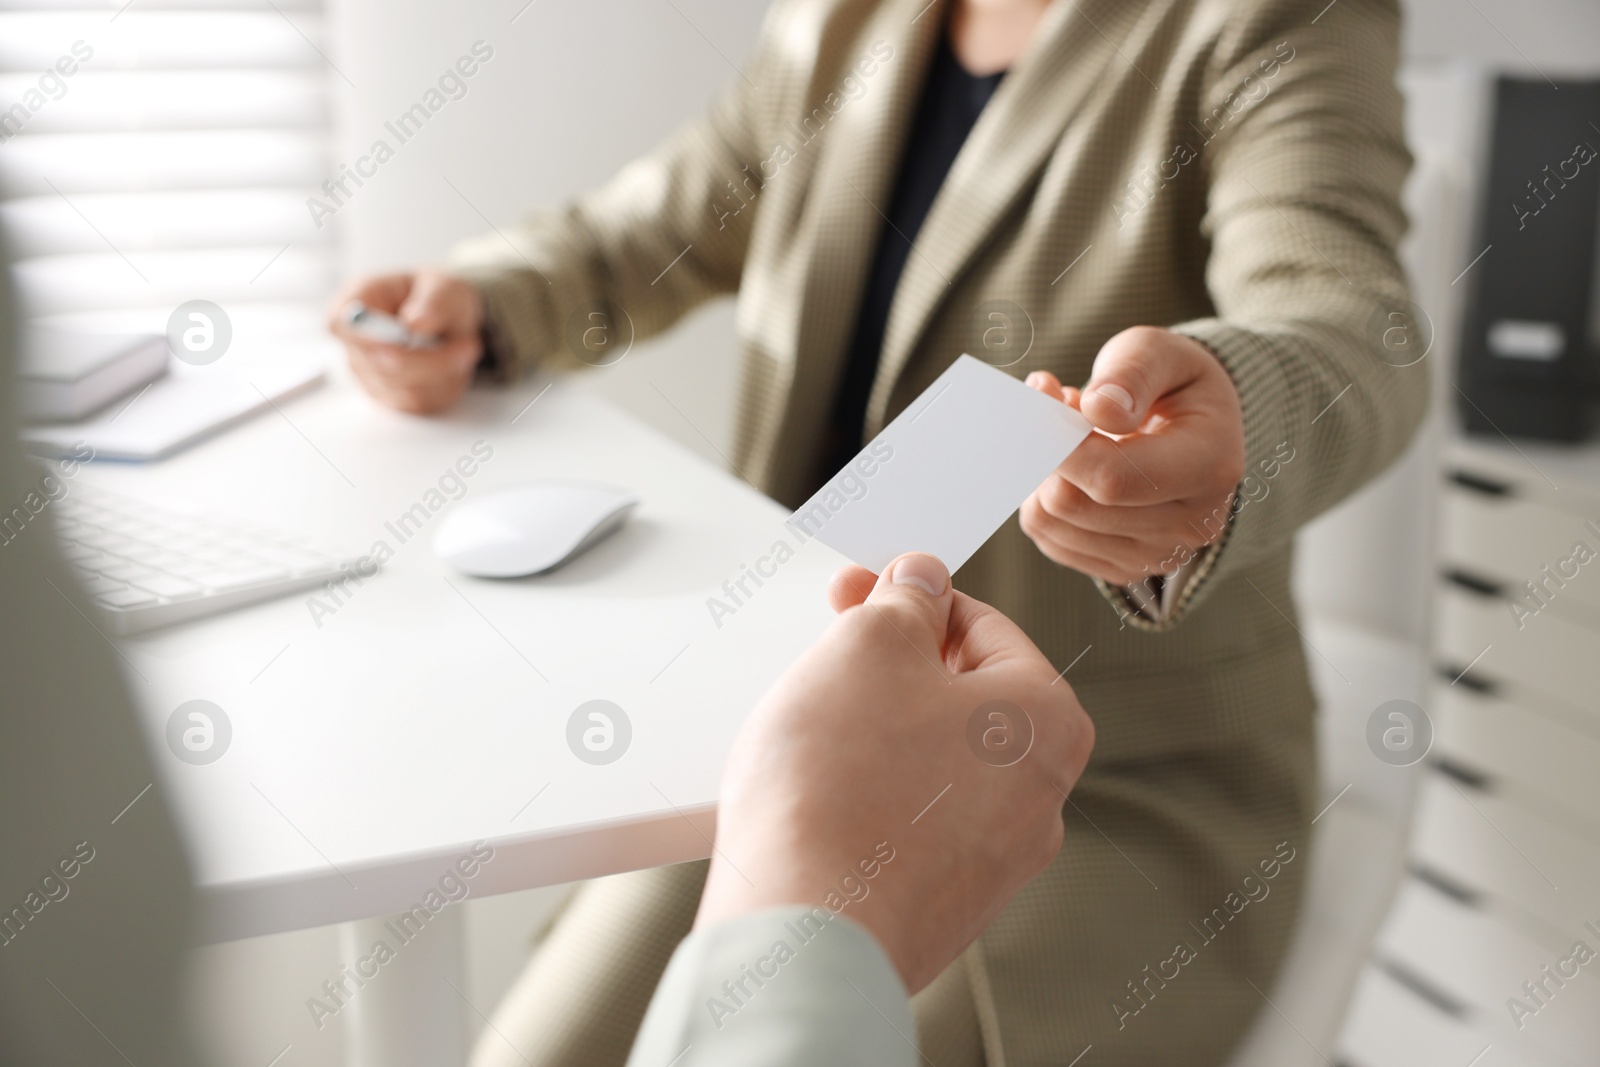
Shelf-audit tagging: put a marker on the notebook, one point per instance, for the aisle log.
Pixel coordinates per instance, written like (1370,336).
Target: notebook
(67,375)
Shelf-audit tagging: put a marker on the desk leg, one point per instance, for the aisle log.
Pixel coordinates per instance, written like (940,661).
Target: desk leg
(407,1015)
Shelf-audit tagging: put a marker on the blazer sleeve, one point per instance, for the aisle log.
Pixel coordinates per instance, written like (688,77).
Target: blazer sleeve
(565,286)
(1303,218)
(753,992)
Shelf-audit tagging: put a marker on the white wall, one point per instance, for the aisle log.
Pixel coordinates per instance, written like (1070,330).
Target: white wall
(1560,36)
(574,90)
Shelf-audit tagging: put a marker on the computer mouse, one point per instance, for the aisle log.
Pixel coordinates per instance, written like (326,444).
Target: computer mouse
(530,528)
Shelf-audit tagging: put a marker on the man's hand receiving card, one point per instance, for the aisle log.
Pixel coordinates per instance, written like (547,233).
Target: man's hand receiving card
(943,476)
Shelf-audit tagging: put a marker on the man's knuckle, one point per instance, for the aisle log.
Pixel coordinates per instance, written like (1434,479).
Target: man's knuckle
(1032,516)
(1107,485)
(1061,498)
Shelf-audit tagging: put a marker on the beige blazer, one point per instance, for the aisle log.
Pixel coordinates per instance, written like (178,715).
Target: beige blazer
(1230,169)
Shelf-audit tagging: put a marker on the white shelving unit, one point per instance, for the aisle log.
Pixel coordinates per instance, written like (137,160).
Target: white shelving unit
(1503,871)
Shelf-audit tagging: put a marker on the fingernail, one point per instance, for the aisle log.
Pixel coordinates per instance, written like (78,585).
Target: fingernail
(924,572)
(1116,394)
(1034,378)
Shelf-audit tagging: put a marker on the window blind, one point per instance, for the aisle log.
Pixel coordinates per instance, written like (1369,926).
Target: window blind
(161,151)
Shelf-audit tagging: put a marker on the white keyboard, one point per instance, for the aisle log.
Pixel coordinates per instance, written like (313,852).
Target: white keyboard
(149,566)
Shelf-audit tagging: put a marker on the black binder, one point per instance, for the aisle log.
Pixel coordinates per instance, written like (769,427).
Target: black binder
(1529,343)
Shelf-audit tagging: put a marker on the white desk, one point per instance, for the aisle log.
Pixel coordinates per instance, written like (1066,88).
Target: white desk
(368,754)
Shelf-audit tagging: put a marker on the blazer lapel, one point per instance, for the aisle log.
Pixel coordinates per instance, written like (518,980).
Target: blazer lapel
(1016,134)
(854,176)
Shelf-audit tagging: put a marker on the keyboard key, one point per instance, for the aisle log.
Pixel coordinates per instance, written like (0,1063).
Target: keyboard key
(97,537)
(127,571)
(95,585)
(168,586)
(143,552)
(126,598)
(137,531)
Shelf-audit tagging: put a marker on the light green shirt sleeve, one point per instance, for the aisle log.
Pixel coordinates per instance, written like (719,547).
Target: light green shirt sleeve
(788,986)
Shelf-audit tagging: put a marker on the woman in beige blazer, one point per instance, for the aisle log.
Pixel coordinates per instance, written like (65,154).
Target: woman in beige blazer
(1189,205)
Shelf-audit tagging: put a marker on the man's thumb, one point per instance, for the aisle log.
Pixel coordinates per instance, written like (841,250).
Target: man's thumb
(914,593)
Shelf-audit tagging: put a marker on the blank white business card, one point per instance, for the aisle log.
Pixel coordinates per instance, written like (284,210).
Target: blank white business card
(944,475)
